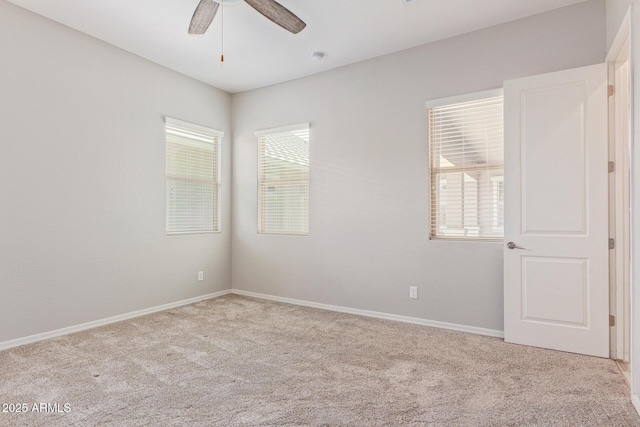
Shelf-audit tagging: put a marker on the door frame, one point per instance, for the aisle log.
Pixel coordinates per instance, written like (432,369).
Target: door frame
(619,63)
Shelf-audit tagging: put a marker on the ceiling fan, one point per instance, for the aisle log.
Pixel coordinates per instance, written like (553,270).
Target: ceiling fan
(271,9)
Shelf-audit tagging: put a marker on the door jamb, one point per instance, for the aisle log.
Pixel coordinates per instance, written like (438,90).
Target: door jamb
(618,61)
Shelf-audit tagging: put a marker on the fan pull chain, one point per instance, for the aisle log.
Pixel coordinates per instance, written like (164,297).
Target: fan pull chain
(221,32)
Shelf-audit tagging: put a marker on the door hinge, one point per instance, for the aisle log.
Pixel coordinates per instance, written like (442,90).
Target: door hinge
(612,320)
(611,90)
(612,243)
(612,166)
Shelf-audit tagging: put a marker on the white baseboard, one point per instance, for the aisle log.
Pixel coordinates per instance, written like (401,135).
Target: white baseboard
(636,402)
(89,325)
(379,315)
(376,314)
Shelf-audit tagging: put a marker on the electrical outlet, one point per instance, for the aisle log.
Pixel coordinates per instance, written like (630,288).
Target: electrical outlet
(200,276)
(413,292)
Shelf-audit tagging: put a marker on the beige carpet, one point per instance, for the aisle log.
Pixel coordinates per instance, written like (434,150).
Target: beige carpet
(239,361)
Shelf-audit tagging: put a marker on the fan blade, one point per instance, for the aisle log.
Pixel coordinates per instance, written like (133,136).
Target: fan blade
(202,17)
(279,14)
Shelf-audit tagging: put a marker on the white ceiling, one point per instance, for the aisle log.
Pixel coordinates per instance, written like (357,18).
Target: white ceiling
(259,53)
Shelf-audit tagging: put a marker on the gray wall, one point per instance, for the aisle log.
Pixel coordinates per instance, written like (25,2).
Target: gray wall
(616,9)
(82,187)
(368,237)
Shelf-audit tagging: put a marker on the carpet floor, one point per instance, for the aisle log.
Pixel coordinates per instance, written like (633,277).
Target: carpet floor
(236,361)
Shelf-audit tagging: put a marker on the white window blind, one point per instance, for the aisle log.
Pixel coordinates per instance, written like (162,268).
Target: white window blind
(283,180)
(467,166)
(192,178)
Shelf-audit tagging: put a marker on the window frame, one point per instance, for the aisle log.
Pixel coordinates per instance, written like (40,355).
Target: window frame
(433,199)
(218,136)
(306,126)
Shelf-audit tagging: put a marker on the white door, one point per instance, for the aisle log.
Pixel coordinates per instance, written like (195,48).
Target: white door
(556,289)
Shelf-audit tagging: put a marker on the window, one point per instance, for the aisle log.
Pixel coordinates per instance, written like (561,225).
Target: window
(283,180)
(192,178)
(466,166)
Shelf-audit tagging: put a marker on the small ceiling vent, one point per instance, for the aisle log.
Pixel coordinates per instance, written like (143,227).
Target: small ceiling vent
(409,2)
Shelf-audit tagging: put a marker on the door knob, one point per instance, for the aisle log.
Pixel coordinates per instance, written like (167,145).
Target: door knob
(512,245)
